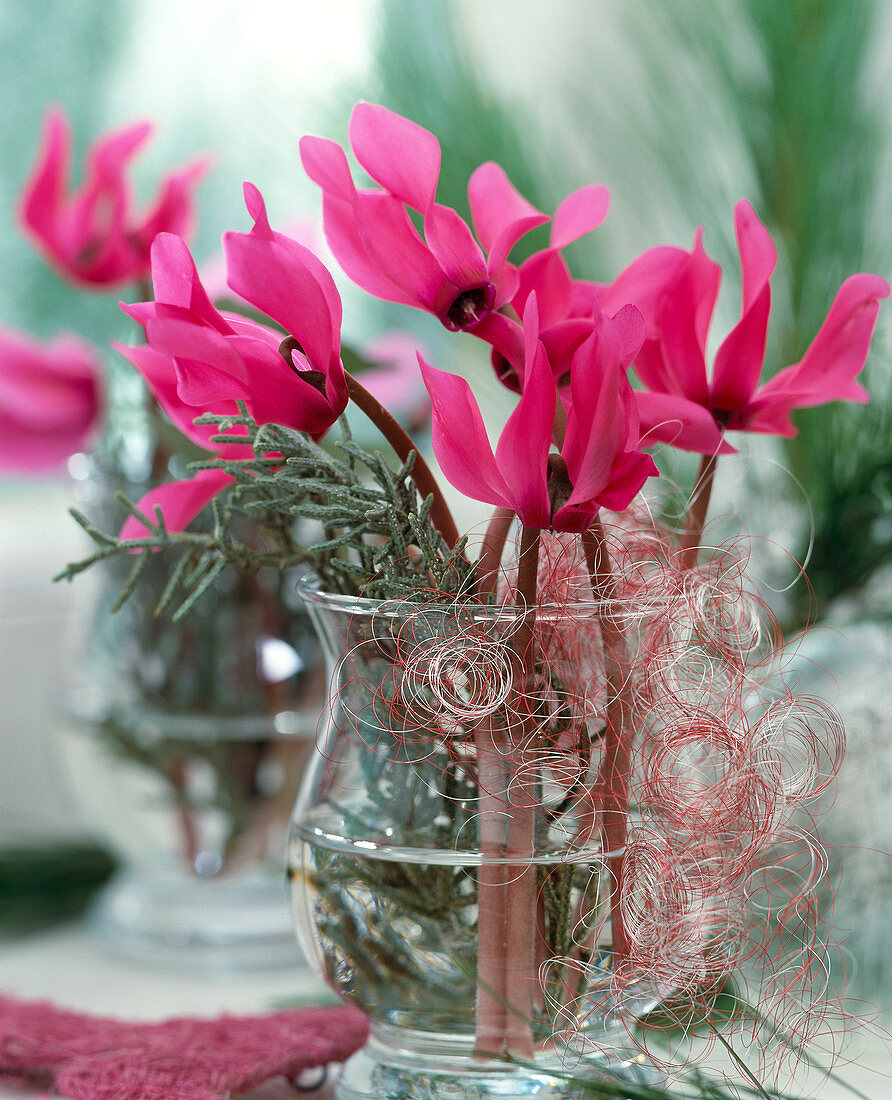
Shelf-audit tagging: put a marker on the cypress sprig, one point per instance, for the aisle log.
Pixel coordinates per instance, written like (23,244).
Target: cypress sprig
(376,538)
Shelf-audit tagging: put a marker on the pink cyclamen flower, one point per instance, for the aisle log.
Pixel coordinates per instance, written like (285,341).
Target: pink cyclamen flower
(446,272)
(298,382)
(93,235)
(599,464)
(676,292)
(50,401)
(566,306)
(181,501)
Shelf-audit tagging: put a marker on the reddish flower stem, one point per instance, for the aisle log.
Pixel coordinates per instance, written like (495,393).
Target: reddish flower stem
(492,947)
(402,444)
(696,519)
(188,834)
(491,1011)
(520,908)
(615,767)
(493,548)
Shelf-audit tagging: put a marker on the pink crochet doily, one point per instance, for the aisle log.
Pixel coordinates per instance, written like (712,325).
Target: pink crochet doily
(96,1058)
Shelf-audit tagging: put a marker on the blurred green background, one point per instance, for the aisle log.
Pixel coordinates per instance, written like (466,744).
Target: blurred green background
(681,108)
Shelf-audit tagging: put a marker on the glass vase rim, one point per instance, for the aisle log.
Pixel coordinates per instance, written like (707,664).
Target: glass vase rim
(310,590)
(383,850)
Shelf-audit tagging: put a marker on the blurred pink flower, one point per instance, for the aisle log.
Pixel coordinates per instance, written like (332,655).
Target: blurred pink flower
(676,292)
(395,380)
(599,464)
(93,235)
(297,382)
(50,401)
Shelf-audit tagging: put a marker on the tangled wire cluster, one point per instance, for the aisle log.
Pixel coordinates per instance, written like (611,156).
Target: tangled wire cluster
(722,872)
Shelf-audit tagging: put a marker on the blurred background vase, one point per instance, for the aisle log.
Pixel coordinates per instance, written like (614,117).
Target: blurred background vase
(183,742)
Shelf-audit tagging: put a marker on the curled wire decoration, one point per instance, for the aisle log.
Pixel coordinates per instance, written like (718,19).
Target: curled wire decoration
(457,679)
(800,742)
(728,769)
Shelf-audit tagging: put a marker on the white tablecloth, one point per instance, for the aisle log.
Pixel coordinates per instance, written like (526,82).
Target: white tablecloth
(71,968)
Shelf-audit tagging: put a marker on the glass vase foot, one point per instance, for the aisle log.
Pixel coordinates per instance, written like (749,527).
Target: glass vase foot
(209,926)
(396,1065)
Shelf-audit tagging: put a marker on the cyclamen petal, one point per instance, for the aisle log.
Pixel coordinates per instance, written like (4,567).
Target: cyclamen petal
(342,233)
(596,430)
(180,502)
(175,280)
(758,256)
(738,362)
(107,157)
(522,451)
(705,279)
(208,367)
(174,211)
(288,283)
(397,153)
(627,478)
(326,164)
(395,250)
(827,370)
(45,188)
(50,401)
(644,283)
(630,330)
(495,204)
(97,211)
(454,247)
(580,213)
(669,418)
(546,274)
(682,334)
(459,438)
(506,240)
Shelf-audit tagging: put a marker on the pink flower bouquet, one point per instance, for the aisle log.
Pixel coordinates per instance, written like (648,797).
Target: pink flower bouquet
(562,779)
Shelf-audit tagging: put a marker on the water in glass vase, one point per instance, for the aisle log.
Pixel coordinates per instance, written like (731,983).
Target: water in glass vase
(448,873)
(395,930)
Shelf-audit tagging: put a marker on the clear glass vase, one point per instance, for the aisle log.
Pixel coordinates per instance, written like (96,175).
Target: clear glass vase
(184,744)
(447,873)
